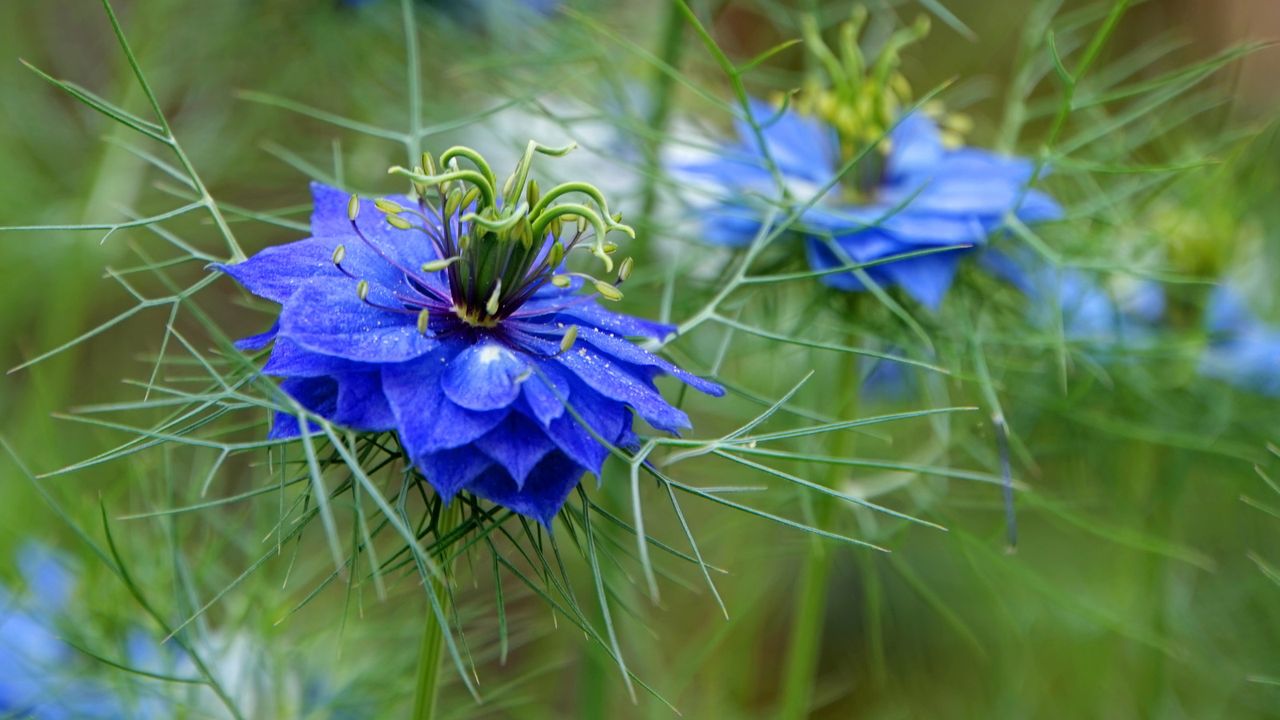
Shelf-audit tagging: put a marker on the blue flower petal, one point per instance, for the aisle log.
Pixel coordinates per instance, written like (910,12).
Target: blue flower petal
(254,343)
(517,445)
(289,359)
(611,379)
(392,247)
(277,272)
(543,492)
(632,354)
(427,420)
(916,146)
(326,316)
(449,471)
(925,278)
(319,395)
(47,576)
(362,404)
(545,394)
(485,376)
(800,146)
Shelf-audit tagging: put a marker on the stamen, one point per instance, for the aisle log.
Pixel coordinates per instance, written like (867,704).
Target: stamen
(339,253)
(424,317)
(362,289)
(569,338)
(607,291)
(624,270)
(353,207)
(389,207)
(491,307)
(436,266)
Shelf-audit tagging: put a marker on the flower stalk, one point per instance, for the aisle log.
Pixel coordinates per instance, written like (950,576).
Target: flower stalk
(431,649)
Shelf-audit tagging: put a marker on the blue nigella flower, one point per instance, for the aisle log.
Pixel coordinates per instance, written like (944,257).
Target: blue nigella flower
(1243,350)
(457,327)
(1090,312)
(926,196)
(36,675)
(40,677)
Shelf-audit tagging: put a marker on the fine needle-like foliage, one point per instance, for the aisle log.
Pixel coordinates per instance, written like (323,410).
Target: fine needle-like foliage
(956,345)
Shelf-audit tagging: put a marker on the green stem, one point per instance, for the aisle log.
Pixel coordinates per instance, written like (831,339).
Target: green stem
(663,87)
(431,651)
(806,631)
(801,668)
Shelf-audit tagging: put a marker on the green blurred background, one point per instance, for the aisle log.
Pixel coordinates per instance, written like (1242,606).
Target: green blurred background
(1131,593)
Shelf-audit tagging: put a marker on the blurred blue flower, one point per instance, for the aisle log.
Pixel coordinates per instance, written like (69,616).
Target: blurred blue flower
(925,196)
(474,377)
(38,678)
(1091,312)
(1243,350)
(41,679)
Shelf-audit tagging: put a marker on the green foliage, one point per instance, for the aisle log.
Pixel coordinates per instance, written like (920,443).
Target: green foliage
(1140,584)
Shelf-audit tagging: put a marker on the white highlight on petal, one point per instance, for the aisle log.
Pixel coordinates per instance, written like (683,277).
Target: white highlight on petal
(492,353)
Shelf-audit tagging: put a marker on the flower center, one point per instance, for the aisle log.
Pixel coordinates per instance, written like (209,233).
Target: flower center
(497,246)
(860,99)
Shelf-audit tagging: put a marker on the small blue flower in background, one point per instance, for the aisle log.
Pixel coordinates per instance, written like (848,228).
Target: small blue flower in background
(44,678)
(38,676)
(463,333)
(928,196)
(913,188)
(1090,312)
(1243,350)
